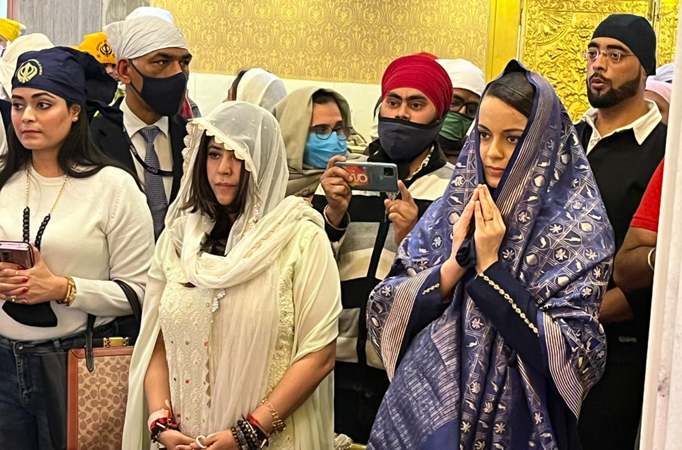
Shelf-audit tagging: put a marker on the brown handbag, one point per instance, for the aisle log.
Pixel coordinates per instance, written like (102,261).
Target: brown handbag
(98,386)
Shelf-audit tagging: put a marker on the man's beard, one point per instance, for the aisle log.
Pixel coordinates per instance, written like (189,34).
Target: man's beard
(613,96)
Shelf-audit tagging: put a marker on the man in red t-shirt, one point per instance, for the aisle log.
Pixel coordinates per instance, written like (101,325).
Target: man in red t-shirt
(635,262)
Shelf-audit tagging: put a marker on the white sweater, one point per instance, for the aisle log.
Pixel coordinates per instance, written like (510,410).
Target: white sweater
(101,230)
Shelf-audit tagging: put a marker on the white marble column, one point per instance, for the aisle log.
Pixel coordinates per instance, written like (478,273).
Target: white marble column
(662,413)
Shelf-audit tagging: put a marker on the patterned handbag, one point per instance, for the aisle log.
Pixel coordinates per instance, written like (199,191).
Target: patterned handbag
(98,385)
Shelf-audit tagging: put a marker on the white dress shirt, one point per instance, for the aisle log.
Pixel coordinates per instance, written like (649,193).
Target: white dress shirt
(162,144)
(642,127)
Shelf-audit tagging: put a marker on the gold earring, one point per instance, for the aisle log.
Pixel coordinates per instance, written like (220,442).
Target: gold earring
(75,119)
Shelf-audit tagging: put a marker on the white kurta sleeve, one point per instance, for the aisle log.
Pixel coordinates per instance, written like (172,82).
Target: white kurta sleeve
(317,295)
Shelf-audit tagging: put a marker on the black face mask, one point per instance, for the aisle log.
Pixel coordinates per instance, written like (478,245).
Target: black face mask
(403,140)
(163,95)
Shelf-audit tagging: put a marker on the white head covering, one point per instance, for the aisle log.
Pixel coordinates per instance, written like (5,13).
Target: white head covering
(665,73)
(143,11)
(261,88)
(8,64)
(249,274)
(464,75)
(132,38)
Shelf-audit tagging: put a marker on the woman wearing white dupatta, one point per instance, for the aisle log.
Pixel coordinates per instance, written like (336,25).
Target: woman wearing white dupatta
(243,299)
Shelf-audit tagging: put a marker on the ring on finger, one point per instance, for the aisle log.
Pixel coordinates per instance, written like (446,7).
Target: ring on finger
(198,441)
(13,298)
(16,274)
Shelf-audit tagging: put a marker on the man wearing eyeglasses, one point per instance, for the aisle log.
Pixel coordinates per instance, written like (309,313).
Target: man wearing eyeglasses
(468,84)
(365,228)
(625,141)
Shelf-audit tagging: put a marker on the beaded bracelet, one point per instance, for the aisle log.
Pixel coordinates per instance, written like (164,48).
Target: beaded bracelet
(277,423)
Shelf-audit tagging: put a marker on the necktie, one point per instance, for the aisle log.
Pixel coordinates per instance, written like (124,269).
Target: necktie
(153,183)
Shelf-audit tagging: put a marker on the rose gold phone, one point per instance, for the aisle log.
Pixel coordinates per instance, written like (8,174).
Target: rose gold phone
(17,253)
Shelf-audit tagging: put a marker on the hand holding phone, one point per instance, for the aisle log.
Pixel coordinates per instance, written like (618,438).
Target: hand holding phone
(337,190)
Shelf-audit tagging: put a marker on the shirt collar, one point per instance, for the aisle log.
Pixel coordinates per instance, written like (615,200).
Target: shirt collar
(642,127)
(133,124)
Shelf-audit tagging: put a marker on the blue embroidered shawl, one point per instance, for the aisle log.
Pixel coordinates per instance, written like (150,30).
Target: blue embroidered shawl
(459,385)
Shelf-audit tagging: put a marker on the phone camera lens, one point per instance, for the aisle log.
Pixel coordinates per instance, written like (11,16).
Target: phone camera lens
(388,171)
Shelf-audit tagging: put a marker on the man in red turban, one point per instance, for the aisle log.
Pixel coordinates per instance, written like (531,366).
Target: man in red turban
(365,228)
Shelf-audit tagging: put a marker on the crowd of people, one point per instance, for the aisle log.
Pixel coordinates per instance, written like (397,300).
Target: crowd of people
(499,299)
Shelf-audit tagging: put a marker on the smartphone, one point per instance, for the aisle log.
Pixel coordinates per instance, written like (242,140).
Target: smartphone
(17,253)
(371,176)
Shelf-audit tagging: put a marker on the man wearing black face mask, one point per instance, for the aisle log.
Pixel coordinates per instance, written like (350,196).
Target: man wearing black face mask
(365,228)
(468,84)
(149,135)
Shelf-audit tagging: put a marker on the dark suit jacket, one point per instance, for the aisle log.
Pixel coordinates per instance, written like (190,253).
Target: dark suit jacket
(112,140)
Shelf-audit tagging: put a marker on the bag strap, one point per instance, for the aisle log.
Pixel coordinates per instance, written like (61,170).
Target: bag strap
(135,305)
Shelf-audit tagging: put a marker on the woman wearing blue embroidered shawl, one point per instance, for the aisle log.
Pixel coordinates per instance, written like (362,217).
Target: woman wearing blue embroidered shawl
(499,341)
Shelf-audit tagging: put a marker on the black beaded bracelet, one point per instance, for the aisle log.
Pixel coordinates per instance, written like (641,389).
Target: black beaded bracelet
(249,434)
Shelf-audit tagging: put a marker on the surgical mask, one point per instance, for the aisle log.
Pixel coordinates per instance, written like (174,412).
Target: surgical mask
(163,95)
(403,140)
(455,126)
(319,151)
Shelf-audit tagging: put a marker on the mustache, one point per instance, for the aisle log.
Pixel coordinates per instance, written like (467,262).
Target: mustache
(599,77)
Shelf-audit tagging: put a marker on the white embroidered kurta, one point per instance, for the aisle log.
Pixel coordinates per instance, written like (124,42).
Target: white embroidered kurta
(195,338)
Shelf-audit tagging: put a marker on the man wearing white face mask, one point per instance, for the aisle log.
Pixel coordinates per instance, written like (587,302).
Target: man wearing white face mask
(468,84)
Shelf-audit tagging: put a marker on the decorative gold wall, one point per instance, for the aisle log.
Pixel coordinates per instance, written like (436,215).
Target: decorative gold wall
(555,33)
(331,40)
(666,25)
(554,36)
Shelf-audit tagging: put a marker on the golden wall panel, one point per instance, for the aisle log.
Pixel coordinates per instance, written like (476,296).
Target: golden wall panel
(667,30)
(555,33)
(331,40)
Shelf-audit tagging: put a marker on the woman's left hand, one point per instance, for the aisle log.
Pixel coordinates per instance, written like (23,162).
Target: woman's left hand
(490,230)
(222,440)
(32,286)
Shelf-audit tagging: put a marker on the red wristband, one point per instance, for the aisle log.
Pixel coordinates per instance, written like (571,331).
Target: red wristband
(253,421)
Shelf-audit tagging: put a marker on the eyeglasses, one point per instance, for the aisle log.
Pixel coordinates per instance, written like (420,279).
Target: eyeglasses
(324,131)
(615,56)
(458,103)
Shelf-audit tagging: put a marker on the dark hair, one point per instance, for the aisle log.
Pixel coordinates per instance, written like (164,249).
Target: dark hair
(515,90)
(78,157)
(202,198)
(322,98)
(233,87)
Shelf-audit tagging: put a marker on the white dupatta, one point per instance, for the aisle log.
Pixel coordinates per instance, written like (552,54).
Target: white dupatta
(249,272)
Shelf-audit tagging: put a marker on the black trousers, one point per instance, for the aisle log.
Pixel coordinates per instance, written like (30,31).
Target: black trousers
(358,392)
(611,413)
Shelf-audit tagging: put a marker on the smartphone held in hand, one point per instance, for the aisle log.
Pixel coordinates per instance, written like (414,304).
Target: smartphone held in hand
(19,253)
(370,176)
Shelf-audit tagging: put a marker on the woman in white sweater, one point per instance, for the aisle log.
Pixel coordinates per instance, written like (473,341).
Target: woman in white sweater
(88,224)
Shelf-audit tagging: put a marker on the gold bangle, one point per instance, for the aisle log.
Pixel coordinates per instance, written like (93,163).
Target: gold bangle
(277,424)
(70,292)
(326,218)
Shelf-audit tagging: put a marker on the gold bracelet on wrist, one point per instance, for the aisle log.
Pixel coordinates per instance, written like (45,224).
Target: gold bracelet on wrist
(70,292)
(277,424)
(326,218)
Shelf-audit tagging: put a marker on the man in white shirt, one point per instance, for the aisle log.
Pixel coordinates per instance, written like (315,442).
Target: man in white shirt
(152,60)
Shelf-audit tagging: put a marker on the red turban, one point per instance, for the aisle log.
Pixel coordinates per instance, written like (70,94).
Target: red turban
(421,73)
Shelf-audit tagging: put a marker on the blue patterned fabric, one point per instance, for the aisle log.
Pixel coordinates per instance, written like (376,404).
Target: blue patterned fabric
(459,386)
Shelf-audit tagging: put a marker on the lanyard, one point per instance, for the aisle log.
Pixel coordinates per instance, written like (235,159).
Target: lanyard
(145,166)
